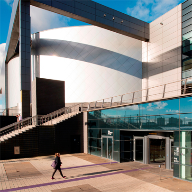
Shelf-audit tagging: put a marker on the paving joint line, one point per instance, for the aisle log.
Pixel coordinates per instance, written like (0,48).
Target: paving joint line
(87,165)
(71,180)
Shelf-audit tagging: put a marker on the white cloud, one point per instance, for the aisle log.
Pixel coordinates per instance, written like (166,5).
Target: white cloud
(156,105)
(150,107)
(160,105)
(133,107)
(43,20)
(172,111)
(2,54)
(2,74)
(9,2)
(149,10)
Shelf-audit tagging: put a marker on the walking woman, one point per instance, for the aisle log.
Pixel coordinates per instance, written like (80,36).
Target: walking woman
(58,164)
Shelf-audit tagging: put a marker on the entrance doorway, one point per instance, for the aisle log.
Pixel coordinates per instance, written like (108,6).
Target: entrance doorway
(153,149)
(107,147)
(157,150)
(75,144)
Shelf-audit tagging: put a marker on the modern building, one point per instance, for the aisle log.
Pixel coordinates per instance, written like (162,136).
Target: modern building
(115,56)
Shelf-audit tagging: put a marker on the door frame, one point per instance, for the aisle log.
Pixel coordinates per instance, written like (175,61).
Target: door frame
(134,147)
(170,140)
(105,136)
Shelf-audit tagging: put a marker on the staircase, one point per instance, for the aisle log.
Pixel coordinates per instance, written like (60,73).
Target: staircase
(16,132)
(61,118)
(18,128)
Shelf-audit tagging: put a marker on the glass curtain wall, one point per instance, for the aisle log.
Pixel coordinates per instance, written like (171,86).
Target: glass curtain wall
(167,115)
(187,39)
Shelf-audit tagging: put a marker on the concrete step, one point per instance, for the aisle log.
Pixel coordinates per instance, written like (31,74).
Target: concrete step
(1,139)
(15,133)
(61,118)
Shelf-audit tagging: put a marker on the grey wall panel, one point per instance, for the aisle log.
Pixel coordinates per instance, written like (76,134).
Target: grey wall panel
(105,15)
(104,21)
(87,3)
(84,7)
(84,14)
(187,10)
(186,4)
(187,29)
(187,16)
(13,33)
(70,3)
(104,9)
(46,2)
(121,15)
(187,23)
(62,6)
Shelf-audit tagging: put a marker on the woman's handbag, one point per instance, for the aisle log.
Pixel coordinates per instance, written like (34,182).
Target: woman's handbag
(53,164)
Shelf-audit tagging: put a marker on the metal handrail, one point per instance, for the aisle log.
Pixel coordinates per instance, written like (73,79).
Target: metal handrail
(166,91)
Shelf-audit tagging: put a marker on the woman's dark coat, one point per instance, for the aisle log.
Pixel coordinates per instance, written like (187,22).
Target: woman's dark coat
(57,162)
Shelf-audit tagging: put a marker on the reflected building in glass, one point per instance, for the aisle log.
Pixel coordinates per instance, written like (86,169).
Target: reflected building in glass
(146,134)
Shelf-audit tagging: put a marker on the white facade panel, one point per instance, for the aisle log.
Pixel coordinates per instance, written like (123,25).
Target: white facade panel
(163,64)
(14,96)
(94,63)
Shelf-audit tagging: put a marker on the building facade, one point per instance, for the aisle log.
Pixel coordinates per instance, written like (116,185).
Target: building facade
(149,132)
(118,55)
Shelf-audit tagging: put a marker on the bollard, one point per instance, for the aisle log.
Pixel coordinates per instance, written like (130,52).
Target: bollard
(110,158)
(160,171)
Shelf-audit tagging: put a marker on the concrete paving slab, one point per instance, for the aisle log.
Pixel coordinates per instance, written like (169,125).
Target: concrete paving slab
(88,171)
(80,188)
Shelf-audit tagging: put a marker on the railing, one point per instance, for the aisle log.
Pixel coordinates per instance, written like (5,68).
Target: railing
(173,89)
(16,126)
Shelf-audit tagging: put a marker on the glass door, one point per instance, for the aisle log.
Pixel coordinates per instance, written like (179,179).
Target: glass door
(138,149)
(104,147)
(157,150)
(107,147)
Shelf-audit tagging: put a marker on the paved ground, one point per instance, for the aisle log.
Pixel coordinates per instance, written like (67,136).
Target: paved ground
(86,173)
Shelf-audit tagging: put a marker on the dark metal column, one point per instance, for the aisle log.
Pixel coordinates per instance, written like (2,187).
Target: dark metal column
(25,55)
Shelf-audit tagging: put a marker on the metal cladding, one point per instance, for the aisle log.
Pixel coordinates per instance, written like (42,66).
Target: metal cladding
(87,11)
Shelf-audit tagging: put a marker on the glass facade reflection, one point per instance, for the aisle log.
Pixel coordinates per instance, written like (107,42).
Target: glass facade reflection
(169,118)
(186,40)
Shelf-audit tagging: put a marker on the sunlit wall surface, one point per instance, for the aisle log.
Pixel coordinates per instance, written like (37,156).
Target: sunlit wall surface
(94,63)
(14,86)
(161,56)
(167,115)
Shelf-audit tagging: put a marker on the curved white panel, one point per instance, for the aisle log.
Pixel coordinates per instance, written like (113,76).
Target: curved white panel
(94,63)
(14,95)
